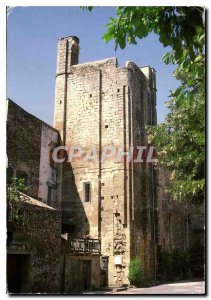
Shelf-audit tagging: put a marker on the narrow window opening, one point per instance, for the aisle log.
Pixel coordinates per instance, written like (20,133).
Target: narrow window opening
(87,192)
(106,126)
(49,200)
(51,161)
(9,175)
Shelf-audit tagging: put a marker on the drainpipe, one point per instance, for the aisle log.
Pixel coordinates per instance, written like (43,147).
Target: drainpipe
(153,182)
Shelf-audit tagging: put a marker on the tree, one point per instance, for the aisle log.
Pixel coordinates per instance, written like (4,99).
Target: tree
(13,198)
(180,141)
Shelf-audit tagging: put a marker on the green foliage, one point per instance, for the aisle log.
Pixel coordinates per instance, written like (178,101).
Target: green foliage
(174,265)
(180,141)
(13,198)
(135,272)
(176,26)
(86,7)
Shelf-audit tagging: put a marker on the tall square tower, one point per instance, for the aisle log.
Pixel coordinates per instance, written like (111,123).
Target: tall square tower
(98,105)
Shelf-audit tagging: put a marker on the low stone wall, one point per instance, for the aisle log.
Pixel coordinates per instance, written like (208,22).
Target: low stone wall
(80,272)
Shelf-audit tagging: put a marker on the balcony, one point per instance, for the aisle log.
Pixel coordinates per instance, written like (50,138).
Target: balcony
(84,246)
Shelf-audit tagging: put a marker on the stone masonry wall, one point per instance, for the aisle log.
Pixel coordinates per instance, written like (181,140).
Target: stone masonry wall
(41,231)
(29,145)
(181,226)
(23,144)
(93,108)
(49,174)
(143,177)
(74,272)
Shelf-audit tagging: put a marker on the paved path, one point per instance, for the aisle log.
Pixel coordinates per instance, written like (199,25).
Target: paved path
(171,288)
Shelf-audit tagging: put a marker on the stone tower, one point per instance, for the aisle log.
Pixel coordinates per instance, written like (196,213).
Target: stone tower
(67,55)
(99,104)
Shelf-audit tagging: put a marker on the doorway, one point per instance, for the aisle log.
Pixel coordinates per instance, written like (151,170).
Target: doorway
(17,273)
(86,274)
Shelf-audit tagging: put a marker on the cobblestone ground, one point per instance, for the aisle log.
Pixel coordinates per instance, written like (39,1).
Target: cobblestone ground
(171,288)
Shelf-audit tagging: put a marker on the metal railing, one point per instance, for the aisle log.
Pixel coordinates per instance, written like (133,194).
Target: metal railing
(86,246)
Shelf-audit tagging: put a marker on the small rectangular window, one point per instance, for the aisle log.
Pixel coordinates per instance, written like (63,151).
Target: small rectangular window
(49,200)
(87,192)
(9,175)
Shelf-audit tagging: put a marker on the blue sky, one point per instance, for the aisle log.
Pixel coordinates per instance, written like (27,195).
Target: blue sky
(32,34)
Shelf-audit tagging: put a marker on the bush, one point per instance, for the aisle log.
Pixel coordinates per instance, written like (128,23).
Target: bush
(135,272)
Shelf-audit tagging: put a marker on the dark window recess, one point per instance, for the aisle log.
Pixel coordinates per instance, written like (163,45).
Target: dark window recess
(23,175)
(68,228)
(87,192)
(102,198)
(102,184)
(106,126)
(118,90)
(90,95)
(60,102)
(112,197)
(51,161)
(9,175)
(50,196)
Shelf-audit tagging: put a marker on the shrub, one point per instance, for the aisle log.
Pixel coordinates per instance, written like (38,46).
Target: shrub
(135,272)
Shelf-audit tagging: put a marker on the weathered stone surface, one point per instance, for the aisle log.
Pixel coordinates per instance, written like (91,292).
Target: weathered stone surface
(96,104)
(29,145)
(74,272)
(40,234)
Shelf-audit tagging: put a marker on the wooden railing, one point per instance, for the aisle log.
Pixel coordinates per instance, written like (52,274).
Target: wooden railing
(85,246)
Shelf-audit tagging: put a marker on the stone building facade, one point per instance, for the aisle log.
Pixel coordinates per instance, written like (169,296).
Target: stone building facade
(181,233)
(99,104)
(39,258)
(30,142)
(34,241)
(85,219)
(34,248)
